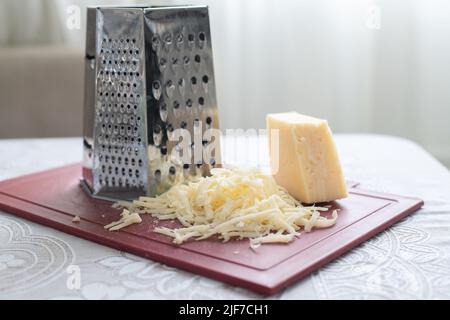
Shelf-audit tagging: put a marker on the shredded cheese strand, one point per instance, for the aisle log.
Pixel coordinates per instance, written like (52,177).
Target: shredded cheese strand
(126,220)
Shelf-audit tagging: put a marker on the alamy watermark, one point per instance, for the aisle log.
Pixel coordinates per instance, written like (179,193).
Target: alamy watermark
(73,18)
(249,148)
(73,281)
(373,18)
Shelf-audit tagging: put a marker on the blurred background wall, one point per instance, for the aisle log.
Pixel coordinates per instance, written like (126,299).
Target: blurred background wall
(379,66)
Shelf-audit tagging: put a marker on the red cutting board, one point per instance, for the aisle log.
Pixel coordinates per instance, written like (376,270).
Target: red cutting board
(54,197)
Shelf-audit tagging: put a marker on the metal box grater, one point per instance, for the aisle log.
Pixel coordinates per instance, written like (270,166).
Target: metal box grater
(148,72)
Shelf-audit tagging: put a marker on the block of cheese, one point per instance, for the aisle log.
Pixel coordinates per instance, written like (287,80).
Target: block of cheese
(308,164)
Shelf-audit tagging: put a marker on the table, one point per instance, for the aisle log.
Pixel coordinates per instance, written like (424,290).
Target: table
(410,260)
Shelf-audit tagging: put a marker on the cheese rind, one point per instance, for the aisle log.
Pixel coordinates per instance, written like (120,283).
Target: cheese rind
(309,167)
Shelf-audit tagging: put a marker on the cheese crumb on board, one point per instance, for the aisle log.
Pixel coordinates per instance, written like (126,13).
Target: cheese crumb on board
(76,219)
(308,164)
(231,203)
(126,219)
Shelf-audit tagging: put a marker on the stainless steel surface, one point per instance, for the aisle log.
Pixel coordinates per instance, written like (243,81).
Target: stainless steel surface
(89,97)
(152,73)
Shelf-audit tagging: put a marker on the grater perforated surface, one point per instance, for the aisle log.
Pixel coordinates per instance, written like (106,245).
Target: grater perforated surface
(153,75)
(119,126)
(182,94)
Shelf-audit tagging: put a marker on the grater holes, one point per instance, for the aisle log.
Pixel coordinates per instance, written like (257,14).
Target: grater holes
(189,103)
(117,115)
(201,101)
(163,112)
(191,37)
(168,39)
(162,63)
(202,36)
(208,120)
(172,171)
(157,135)
(170,88)
(205,79)
(155,42)
(197,58)
(156,89)
(169,128)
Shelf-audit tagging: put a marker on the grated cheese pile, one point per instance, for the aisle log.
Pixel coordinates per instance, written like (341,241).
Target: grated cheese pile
(229,203)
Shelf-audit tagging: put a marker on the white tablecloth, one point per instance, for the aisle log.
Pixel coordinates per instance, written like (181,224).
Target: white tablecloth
(409,260)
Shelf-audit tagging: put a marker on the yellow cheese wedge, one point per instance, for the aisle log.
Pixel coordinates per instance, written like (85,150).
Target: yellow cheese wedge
(308,164)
